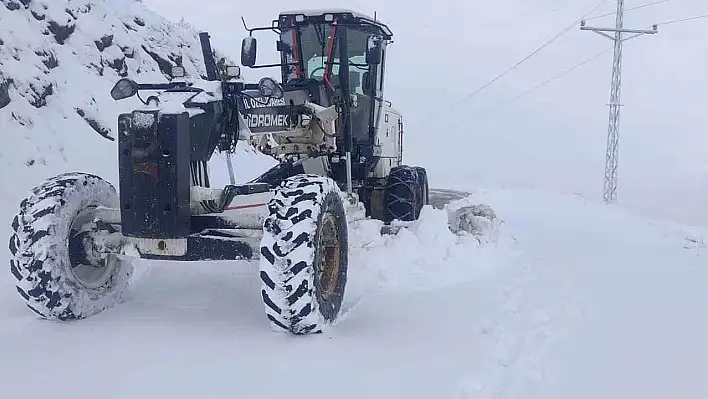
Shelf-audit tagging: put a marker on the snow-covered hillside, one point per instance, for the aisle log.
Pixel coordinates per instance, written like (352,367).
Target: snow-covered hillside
(58,62)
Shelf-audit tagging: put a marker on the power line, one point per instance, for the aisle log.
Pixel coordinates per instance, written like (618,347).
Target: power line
(568,71)
(683,19)
(574,68)
(547,81)
(648,5)
(530,90)
(629,9)
(533,53)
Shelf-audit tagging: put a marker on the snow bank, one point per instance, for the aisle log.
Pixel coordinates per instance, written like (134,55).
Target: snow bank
(424,255)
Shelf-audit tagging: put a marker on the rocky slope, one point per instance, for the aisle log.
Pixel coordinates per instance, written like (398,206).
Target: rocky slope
(58,62)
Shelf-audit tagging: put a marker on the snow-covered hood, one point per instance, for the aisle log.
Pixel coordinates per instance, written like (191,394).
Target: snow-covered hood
(172,102)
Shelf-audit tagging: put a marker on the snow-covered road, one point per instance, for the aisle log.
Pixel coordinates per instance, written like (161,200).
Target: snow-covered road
(567,300)
(610,305)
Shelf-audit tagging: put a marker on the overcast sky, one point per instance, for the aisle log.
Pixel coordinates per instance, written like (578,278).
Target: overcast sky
(554,137)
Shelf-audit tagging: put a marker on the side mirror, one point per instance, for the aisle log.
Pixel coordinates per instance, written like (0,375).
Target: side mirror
(374,50)
(248,51)
(124,88)
(269,88)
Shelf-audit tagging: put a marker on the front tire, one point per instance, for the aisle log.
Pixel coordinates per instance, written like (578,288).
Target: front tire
(59,275)
(304,255)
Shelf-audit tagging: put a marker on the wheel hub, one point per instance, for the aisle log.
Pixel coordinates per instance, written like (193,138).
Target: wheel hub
(330,250)
(92,262)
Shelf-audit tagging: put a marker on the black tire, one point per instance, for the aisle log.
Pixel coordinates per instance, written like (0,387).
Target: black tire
(423,187)
(402,197)
(302,282)
(55,276)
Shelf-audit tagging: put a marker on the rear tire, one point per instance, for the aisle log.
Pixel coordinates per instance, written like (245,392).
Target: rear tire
(423,186)
(56,276)
(403,197)
(304,255)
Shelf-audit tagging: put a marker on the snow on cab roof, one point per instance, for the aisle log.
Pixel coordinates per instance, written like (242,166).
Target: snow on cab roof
(322,11)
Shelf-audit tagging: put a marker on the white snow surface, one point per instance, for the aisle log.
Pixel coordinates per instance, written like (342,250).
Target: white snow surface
(567,299)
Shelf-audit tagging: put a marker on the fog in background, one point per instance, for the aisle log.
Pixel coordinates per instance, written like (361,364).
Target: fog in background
(552,138)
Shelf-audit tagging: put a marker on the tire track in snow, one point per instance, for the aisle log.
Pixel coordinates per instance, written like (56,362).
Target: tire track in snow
(520,335)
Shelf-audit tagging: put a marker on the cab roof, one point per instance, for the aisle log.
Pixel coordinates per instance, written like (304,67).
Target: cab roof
(346,14)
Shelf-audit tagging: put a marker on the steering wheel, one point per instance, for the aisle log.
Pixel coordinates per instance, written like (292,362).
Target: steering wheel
(312,74)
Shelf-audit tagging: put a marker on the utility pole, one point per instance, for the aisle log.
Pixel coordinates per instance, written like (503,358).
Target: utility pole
(612,156)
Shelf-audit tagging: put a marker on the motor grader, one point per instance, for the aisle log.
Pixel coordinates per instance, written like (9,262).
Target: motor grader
(338,144)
